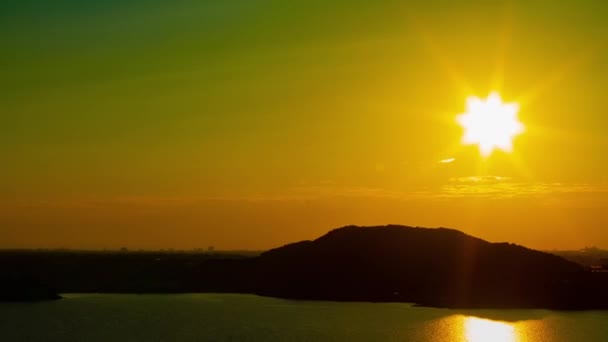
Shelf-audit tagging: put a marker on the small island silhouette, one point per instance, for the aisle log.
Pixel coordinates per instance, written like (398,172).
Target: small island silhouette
(437,267)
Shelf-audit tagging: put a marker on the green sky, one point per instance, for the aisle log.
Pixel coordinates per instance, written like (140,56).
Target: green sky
(252,123)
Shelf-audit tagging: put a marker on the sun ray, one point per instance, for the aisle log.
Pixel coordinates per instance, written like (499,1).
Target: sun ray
(502,47)
(438,56)
(564,70)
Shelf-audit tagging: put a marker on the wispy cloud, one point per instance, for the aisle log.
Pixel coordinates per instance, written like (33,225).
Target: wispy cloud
(479,179)
(486,187)
(505,187)
(490,187)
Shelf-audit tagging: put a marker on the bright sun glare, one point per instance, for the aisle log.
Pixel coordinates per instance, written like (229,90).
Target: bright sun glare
(490,123)
(483,330)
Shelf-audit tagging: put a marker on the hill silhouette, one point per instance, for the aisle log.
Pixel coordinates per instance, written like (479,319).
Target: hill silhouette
(433,267)
(439,267)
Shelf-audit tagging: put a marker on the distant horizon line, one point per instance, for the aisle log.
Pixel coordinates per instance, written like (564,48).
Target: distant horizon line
(216,251)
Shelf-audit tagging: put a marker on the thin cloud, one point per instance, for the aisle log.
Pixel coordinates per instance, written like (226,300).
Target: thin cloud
(487,187)
(505,187)
(480,179)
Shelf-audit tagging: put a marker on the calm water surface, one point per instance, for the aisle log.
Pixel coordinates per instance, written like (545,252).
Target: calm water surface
(221,317)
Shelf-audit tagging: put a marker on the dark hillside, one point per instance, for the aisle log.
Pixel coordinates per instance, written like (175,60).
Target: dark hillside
(432,266)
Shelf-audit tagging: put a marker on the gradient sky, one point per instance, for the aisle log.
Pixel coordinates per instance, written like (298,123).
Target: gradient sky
(247,124)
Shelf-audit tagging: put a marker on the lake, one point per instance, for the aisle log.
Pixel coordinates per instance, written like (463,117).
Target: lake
(232,317)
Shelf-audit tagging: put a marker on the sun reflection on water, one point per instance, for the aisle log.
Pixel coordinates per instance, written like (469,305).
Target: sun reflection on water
(484,330)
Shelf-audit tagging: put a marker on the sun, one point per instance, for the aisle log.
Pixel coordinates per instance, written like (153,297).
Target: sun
(490,123)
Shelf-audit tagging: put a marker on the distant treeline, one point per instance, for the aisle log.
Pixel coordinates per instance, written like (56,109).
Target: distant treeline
(587,257)
(196,251)
(116,271)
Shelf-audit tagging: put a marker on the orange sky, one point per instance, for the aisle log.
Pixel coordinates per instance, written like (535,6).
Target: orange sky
(256,123)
